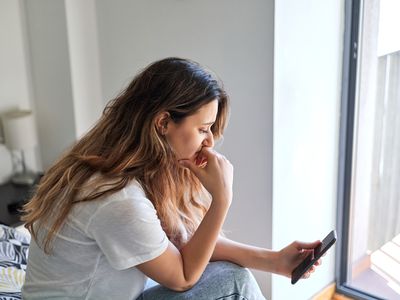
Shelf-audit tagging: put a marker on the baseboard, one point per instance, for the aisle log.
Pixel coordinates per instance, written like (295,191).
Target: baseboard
(341,297)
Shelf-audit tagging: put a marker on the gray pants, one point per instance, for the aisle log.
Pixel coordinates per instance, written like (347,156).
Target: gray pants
(221,280)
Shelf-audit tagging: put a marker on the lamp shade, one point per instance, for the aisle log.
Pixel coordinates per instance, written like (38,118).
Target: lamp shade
(19,130)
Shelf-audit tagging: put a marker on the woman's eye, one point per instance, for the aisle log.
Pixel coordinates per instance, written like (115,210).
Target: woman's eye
(204,131)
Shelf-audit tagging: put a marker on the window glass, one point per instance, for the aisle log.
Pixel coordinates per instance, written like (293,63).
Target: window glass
(374,237)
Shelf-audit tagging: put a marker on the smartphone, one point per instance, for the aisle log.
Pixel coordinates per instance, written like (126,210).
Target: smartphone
(310,260)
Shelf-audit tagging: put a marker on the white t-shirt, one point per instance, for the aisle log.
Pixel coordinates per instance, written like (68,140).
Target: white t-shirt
(95,254)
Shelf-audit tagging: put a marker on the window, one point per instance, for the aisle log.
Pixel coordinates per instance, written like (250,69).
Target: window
(368,262)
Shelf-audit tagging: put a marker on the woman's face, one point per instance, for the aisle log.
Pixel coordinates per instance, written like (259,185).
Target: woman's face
(192,133)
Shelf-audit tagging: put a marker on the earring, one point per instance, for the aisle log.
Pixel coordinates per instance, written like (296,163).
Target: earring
(163,129)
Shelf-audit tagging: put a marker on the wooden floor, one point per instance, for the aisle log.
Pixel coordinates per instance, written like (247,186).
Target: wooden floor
(340,297)
(329,294)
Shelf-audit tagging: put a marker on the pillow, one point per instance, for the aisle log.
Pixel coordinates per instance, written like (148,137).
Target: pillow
(14,247)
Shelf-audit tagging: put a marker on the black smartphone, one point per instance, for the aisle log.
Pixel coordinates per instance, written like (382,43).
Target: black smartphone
(307,263)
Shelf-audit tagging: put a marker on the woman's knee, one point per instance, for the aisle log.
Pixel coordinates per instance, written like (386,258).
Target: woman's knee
(241,276)
(225,267)
(240,279)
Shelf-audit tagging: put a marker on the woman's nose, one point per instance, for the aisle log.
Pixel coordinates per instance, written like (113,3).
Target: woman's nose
(209,140)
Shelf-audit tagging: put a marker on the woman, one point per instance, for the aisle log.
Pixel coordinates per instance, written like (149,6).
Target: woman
(143,194)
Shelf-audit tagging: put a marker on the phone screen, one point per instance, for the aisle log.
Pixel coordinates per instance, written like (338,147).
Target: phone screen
(310,260)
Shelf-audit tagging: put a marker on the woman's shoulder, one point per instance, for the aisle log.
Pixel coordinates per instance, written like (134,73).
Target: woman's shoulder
(134,196)
(131,198)
(134,188)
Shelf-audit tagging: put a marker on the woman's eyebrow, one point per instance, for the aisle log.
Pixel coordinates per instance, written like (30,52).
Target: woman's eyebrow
(209,123)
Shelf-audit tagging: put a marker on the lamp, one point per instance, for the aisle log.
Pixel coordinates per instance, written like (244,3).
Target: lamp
(20,135)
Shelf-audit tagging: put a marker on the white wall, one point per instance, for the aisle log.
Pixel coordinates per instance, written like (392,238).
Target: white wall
(35,72)
(47,34)
(308,59)
(235,39)
(84,63)
(15,76)
(14,79)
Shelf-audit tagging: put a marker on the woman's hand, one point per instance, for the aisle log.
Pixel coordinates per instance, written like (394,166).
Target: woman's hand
(292,255)
(214,171)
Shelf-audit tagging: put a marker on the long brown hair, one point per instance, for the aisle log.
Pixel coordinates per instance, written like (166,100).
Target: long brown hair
(125,144)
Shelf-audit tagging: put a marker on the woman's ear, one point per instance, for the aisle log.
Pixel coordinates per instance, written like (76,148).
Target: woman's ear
(162,121)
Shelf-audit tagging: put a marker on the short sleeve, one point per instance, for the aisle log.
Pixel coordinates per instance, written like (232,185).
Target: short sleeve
(128,231)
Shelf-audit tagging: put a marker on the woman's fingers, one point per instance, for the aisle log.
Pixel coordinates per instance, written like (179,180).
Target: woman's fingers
(205,154)
(308,273)
(202,162)
(214,171)
(188,164)
(303,245)
(312,269)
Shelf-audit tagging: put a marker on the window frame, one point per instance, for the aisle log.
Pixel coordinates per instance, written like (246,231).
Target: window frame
(353,14)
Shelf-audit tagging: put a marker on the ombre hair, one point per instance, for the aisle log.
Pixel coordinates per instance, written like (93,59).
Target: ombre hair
(125,144)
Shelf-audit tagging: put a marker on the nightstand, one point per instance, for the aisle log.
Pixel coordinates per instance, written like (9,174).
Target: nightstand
(12,197)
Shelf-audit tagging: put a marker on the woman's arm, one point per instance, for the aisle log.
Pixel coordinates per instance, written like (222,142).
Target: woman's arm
(279,262)
(245,255)
(180,270)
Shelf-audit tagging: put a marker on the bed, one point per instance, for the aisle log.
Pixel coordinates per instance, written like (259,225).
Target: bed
(14,244)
